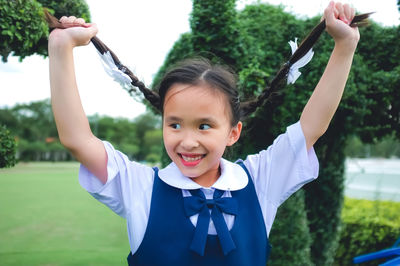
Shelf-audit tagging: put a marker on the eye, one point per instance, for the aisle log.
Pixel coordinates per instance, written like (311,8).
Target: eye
(204,127)
(175,126)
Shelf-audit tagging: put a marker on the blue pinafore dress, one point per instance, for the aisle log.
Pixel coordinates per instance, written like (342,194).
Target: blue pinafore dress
(169,232)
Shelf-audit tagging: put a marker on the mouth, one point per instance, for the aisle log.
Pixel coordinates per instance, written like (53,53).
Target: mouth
(191,159)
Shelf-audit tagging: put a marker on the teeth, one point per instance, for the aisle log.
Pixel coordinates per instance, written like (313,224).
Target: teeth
(191,159)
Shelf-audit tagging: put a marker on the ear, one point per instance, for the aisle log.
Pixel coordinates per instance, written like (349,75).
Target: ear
(234,134)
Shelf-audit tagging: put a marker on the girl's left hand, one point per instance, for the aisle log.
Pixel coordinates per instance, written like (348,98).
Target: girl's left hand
(338,17)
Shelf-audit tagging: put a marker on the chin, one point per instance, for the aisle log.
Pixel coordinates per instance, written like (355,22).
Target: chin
(190,174)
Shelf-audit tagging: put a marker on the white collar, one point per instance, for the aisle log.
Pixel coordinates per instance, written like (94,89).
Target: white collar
(232,178)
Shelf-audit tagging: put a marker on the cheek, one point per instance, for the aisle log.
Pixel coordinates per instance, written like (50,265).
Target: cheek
(169,141)
(165,139)
(218,145)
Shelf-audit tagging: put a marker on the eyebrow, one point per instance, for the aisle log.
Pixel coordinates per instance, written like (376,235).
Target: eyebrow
(170,119)
(207,120)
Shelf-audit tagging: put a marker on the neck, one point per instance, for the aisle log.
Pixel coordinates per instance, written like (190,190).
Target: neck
(209,178)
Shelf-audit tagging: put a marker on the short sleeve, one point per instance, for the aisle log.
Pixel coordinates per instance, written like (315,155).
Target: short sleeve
(282,169)
(129,184)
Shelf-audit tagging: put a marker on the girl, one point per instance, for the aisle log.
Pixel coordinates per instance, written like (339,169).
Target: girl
(200,209)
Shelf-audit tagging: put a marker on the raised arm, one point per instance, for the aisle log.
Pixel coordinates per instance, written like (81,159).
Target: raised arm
(72,124)
(325,99)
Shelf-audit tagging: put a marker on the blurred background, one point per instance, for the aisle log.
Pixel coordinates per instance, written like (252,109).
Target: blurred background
(354,206)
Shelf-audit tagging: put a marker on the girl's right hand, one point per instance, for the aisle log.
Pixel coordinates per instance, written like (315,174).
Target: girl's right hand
(76,32)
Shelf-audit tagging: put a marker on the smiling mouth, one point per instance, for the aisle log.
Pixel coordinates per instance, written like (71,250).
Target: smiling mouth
(191,160)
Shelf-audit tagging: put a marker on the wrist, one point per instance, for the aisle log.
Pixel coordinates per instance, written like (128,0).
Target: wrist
(347,46)
(350,41)
(59,42)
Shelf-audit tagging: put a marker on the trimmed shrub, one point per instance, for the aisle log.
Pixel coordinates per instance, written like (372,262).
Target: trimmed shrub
(368,226)
(289,237)
(22,26)
(7,148)
(23,30)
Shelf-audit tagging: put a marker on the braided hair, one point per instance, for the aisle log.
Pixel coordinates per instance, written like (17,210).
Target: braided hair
(199,70)
(195,71)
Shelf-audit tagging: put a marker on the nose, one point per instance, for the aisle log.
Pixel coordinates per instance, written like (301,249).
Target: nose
(189,141)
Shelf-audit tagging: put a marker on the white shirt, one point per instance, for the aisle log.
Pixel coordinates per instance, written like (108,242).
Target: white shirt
(277,172)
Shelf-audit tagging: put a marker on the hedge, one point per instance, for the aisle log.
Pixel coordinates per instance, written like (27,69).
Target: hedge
(23,30)
(7,148)
(367,226)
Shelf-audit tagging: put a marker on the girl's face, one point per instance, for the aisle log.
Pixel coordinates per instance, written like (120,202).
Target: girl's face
(196,130)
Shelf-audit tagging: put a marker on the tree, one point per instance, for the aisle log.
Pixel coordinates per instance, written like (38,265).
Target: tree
(34,128)
(369,107)
(216,27)
(23,31)
(145,124)
(7,148)
(23,28)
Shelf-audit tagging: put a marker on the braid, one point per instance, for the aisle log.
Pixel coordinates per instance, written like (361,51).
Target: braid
(251,106)
(149,95)
(191,71)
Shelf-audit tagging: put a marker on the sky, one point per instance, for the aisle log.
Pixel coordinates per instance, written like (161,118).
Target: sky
(141,33)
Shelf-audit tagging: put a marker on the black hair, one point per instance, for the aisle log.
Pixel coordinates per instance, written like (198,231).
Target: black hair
(197,71)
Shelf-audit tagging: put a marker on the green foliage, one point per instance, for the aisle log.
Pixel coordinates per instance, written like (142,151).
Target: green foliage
(30,122)
(368,226)
(35,130)
(7,148)
(21,27)
(77,8)
(293,246)
(34,127)
(215,32)
(23,30)
(376,74)
(369,108)
(137,139)
(252,80)
(275,28)
(324,199)
(147,130)
(182,48)
(388,147)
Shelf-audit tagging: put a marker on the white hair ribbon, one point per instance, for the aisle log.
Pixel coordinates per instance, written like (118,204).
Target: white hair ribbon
(112,70)
(294,72)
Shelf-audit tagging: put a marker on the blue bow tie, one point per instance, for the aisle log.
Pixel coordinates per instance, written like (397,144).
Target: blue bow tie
(198,203)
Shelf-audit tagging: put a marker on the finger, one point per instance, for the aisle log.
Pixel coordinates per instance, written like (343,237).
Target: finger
(342,15)
(63,19)
(347,12)
(329,13)
(353,14)
(339,8)
(79,21)
(92,27)
(70,20)
(335,12)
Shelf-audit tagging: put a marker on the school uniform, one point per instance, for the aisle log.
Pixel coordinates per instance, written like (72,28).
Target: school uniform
(162,227)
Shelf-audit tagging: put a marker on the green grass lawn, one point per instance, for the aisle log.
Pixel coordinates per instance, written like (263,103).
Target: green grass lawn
(46,218)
